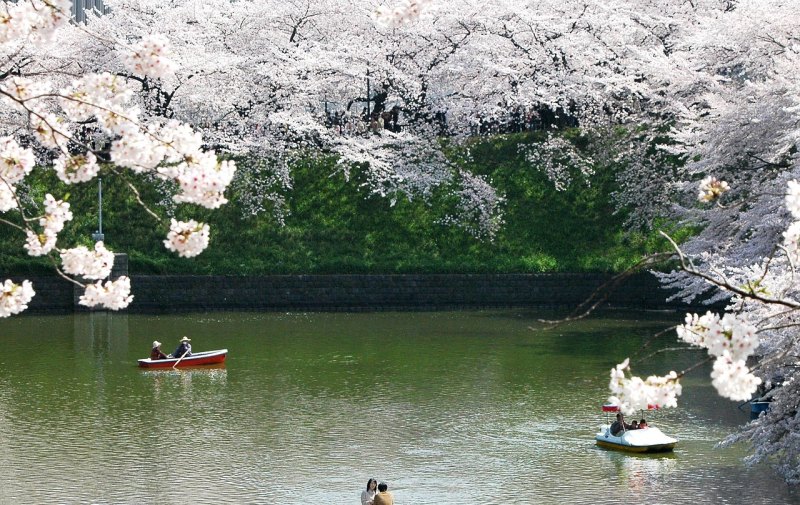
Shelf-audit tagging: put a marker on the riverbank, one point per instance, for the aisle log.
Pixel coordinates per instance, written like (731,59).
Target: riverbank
(353,293)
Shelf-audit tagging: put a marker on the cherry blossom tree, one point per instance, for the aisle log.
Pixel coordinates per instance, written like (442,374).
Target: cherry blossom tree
(47,100)
(709,94)
(733,105)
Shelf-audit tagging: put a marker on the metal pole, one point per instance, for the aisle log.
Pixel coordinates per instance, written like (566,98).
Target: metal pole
(368,111)
(100,203)
(98,235)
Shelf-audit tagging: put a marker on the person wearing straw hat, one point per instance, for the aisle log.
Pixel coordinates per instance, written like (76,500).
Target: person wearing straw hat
(156,352)
(184,348)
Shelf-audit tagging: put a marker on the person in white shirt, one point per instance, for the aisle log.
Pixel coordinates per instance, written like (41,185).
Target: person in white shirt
(369,494)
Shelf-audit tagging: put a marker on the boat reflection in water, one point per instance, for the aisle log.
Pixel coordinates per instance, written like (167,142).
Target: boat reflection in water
(212,372)
(642,473)
(183,378)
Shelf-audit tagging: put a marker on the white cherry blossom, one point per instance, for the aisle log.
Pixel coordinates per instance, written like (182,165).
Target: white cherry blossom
(14,298)
(188,238)
(56,213)
(711,189)
(728,334)
(15,161)
(150,57)
(81,261)
(39,244)
(114,295)
(733,379)
(633,393)
(793,198)
(204,181)
(51,130)
(76,168)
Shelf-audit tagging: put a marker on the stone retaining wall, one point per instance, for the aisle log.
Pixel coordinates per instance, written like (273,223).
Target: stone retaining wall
(171,293)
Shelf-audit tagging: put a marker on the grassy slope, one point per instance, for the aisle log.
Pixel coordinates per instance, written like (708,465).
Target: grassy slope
(335,226)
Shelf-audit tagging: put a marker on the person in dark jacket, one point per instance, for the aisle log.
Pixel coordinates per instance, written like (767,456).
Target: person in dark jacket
(619,426)
(156,353)
(184,348)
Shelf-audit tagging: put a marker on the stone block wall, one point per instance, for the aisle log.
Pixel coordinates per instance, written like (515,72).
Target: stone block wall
(176,293)
(387,292)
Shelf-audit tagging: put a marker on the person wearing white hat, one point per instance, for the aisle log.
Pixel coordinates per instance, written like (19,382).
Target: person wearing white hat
(156,352)
(184,348)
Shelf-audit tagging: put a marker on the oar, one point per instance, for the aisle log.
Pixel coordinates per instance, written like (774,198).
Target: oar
(179,359)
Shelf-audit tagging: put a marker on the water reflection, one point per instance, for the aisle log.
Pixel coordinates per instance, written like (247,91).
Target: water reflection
(102,334)
(185,377)
(643,474)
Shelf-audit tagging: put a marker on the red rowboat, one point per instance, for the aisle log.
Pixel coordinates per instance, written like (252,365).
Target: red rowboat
(196,359)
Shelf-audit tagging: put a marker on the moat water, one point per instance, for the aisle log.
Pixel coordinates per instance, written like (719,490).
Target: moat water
(482,407)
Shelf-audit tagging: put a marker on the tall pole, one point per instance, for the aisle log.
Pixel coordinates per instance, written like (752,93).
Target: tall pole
(98,235)
(100,204)
(368,111)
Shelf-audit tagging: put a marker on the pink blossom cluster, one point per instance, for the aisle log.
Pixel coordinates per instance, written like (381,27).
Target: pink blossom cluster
(112,295)
(719,335)
(188,238)
(149,57)
(712,188)
(102,95)
(33,20)
(81,261)
(15,164)
(14,298)
(76,168)
(733,379)
(732,341)
(791,237)
(20,89)
(56,213)
(51,130)
(203,183)
(634,393)
(407,11)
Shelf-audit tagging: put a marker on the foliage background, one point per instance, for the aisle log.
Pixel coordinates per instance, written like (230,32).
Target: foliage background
(332,225)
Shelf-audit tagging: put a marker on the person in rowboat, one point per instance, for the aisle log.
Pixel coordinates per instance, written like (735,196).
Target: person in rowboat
(156,353)
(183,347)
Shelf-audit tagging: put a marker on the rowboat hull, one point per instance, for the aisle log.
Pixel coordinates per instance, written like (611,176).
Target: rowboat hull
(196,359)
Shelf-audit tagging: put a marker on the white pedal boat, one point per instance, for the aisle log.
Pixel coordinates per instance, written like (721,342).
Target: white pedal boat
(649,439)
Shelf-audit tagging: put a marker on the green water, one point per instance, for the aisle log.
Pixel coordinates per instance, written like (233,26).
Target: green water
(448,408)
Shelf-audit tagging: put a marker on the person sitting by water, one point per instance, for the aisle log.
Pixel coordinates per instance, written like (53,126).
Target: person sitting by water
(384,497)
(619,425)
(635,425)
(156,353)
(368,495)
(184,348)
(642,424)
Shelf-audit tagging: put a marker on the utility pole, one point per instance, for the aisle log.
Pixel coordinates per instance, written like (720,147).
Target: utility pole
(368,111)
